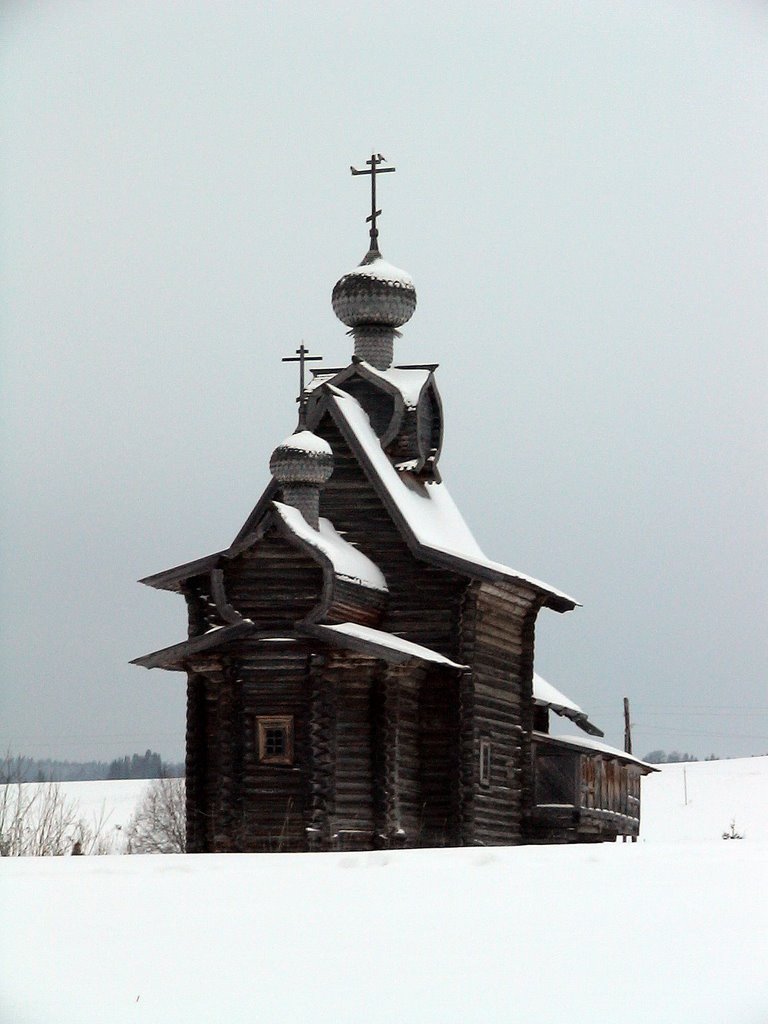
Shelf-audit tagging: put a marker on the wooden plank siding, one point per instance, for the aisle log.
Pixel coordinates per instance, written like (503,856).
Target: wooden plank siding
(582,796)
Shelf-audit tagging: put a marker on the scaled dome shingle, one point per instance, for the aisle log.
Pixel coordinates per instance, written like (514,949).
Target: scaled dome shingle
(376,292)
(303,458)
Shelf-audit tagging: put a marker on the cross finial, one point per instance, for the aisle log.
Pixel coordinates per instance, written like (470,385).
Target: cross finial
(373,163)
(302,356)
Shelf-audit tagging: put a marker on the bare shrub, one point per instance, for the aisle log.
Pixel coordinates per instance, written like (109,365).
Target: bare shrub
(733,832)
(159,823)
(38,820)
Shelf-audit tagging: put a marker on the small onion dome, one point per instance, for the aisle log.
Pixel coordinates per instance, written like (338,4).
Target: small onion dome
(374,293)
(303,458)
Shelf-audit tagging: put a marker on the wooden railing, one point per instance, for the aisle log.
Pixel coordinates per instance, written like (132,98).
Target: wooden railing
(593,790)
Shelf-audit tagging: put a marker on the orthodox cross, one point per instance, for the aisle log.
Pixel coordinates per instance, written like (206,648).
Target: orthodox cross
(373,163)
(302,356)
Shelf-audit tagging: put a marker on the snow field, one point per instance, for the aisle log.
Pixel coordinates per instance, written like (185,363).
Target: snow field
(670,930)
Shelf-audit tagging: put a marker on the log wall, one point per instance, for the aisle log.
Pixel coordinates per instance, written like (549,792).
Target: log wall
(496,707)
(274,583)
(196,763)
(275,681)
(439,759)
(348,680)
(400,821)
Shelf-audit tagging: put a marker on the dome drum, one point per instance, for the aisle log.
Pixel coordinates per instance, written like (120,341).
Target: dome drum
(375,344)
(302,465)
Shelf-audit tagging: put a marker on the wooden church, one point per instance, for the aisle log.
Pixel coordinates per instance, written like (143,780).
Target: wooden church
(359,674)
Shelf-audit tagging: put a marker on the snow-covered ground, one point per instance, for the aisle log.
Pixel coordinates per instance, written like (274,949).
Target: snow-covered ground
(698,801)
(671,929)
(107,806)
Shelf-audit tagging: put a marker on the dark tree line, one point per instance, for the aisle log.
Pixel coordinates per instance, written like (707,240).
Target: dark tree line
(674,757)
(143,766)
(137,766)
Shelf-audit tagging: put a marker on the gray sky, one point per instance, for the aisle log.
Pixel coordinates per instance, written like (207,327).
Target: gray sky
(581,200)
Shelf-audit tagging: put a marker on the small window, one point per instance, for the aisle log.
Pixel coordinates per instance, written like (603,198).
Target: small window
(275,739)
(485,762)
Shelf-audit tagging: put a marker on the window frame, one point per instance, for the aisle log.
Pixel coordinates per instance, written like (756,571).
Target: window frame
(264,723)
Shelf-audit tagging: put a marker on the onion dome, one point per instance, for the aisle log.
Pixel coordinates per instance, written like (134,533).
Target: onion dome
(303,458)
(374,293)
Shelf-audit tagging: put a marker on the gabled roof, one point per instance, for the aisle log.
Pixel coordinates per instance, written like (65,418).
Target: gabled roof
(424,512)
(325,544)
(410,423)
(547,695)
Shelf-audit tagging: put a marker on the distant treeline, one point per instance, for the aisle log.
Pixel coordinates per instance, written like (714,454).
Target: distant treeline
(136,766)
(674,757)
(144,766)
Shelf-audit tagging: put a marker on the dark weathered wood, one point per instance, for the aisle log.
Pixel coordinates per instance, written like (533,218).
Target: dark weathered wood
(300,738)
(196,767)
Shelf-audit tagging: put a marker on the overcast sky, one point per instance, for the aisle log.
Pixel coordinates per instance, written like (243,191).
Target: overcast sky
(581,200)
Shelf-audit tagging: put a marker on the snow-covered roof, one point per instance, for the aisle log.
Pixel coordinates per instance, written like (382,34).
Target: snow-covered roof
(348,562)
(547,694)
(426,509)
(602,748)
(320,377)
(378,638)
(409,381)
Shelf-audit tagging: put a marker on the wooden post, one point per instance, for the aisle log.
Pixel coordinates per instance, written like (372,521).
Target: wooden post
(627,741)
(627,728)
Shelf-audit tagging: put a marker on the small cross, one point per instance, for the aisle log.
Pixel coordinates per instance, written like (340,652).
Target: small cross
(373,163)
(302,356)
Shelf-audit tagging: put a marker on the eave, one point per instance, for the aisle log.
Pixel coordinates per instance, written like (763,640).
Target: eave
(175,658)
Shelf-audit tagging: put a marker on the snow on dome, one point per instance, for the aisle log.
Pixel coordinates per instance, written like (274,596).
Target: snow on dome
(383,271)
(306,441)
(302,458)
(374,293)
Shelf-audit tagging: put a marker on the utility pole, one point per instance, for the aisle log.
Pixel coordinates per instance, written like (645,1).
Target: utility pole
(627,741)
(627,728)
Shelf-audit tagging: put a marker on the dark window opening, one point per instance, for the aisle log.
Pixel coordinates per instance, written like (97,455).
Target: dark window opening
(485,762)
(274,742)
